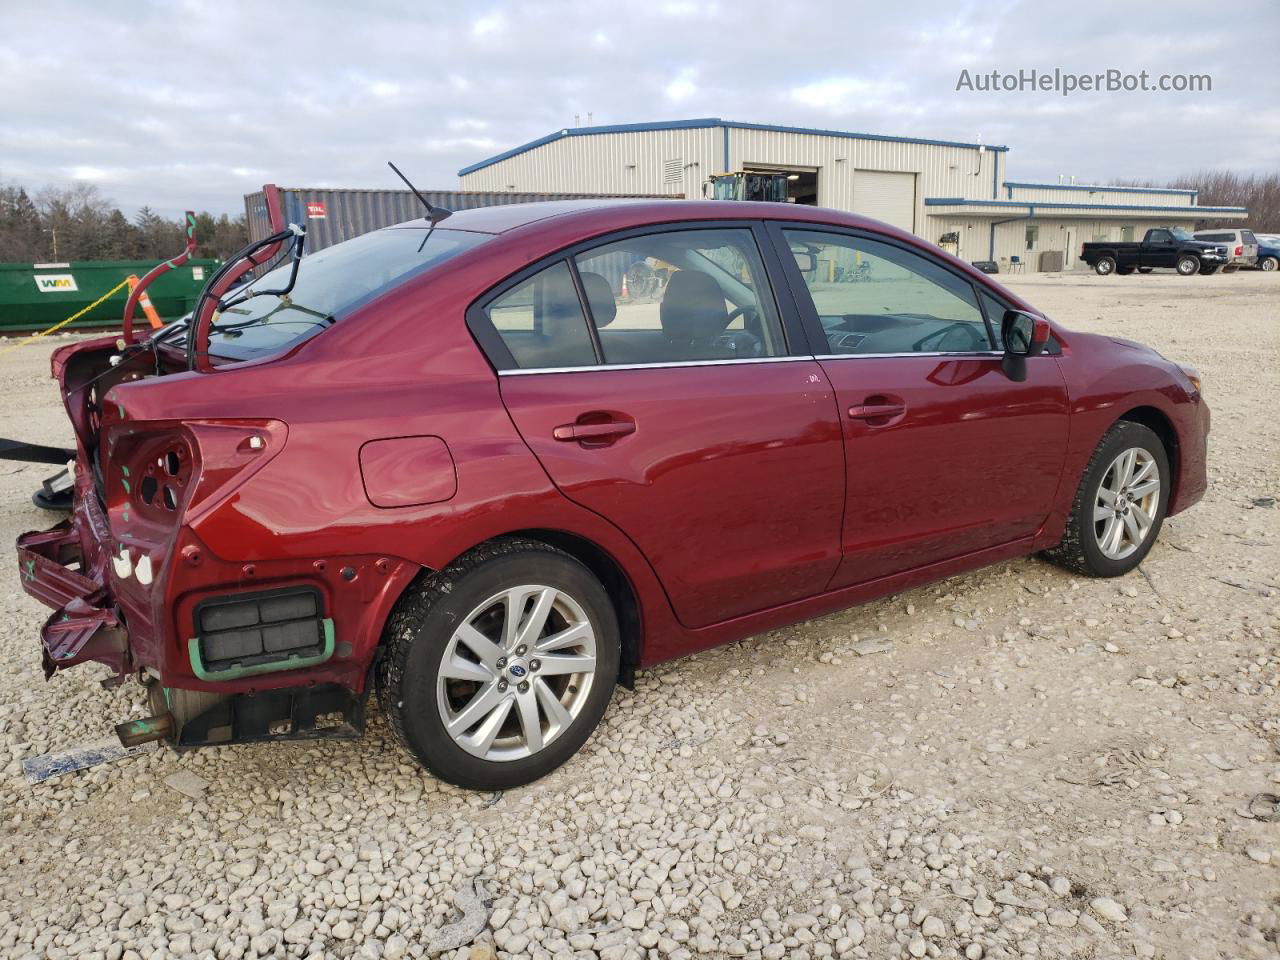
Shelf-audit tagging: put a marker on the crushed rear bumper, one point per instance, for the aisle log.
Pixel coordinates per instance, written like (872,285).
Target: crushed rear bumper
(56,568)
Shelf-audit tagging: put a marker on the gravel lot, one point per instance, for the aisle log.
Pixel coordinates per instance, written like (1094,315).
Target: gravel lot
(1040,765)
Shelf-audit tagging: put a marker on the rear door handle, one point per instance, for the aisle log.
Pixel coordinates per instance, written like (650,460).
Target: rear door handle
(578,432)
(876,411)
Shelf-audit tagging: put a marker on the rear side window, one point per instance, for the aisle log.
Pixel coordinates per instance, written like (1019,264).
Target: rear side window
(1249,237)
(687,295)
(1216,237)
(542,323)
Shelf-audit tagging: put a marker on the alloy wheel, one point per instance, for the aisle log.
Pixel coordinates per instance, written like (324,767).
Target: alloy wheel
(516,673)
(1124,510)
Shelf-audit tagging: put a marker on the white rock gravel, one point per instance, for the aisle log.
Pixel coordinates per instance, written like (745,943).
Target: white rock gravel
(1022,774)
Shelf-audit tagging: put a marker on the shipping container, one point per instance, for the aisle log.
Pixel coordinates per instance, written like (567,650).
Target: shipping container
(34,296)
(332,216)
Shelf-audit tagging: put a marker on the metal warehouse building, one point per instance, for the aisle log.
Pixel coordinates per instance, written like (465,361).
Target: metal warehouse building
(956,195)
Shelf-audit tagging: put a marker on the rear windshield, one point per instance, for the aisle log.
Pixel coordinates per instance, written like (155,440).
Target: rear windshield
(331,283)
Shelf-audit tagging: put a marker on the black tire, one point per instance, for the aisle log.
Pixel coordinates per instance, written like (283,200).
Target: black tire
(1079,549)
(1187,266)
(1105,266)
(420,628)
(1124,271)
(1208,269)
(1145,269)
(1269,264)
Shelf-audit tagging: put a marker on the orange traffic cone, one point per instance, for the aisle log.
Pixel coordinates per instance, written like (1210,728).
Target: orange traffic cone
(625,294)
(144,301)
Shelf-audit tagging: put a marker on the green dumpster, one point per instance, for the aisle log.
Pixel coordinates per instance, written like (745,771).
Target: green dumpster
(35,296)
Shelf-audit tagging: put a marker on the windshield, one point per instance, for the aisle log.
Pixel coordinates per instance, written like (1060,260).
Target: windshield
(330,283)
(1181,234)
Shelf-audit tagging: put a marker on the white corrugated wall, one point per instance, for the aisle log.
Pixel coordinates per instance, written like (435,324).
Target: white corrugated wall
(636,162)
(609,163)
(1083,194)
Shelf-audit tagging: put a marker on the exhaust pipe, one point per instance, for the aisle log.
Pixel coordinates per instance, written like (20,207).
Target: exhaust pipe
(137,732)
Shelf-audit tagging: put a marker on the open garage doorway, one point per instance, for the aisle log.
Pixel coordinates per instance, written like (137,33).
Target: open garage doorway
(802,182)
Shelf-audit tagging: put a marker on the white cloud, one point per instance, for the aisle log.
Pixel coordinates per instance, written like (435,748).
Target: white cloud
(841,94)
(489,25)
(682,87)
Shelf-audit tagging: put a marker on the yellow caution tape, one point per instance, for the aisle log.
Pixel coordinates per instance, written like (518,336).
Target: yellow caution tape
(62,323)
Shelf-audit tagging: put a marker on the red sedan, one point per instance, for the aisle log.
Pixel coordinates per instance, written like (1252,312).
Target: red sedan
(493,465)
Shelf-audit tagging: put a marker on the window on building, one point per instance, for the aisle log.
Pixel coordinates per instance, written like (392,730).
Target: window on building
(1033,236)
(873,297)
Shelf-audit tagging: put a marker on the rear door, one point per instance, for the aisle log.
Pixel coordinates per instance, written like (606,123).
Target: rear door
(651,376)
(945,455)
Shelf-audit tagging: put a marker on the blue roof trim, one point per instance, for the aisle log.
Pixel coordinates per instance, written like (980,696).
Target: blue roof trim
(704,123)
(962,202)
(1096,187)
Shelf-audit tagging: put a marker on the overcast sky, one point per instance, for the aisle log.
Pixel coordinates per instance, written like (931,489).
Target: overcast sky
(177,104)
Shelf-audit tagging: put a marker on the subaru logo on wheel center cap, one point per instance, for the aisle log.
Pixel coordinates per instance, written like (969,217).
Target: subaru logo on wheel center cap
(517,670)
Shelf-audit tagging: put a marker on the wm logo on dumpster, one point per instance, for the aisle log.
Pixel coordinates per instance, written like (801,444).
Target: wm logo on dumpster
(55,283)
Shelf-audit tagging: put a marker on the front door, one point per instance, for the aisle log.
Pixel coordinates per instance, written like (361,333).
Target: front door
(945,455)
(1158,250)
(678,413)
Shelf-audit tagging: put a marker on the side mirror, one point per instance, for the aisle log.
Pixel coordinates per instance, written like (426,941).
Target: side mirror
(1024,335)
(805,260)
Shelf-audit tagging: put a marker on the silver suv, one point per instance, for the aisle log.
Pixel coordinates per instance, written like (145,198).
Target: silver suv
(1242,247)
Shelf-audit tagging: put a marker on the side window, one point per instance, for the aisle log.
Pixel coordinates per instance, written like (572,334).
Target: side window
(873,297)
(681,296)
(542,323)
(1160,236)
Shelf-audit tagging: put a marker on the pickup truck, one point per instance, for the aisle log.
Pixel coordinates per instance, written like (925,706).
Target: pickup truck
(1161,247)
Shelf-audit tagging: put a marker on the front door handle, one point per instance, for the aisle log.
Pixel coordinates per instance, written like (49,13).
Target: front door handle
(593,432)
(877,411)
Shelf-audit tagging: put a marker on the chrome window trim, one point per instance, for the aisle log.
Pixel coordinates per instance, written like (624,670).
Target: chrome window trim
(594,368)
(973,354)
(649,366)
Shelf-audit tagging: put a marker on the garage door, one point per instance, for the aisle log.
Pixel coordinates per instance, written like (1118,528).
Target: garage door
(890,197)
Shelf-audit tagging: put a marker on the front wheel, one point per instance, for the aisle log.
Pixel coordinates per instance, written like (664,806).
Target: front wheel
(1105,266)
(1268,264)
(1119,506)
(498,668)
(1187,266)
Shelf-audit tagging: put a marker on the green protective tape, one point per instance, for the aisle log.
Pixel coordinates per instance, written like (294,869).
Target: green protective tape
(236,672)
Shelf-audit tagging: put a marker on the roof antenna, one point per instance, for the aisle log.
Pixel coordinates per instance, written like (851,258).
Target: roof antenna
(434,214)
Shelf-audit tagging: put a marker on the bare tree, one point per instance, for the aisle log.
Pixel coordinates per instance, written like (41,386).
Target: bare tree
(1259,192)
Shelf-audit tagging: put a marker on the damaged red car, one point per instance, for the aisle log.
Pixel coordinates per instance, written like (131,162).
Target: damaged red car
(491,464)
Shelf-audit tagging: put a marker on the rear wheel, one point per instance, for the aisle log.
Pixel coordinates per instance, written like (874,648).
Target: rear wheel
(498,668)
(1119,506)
(1105,266)
(1268,264)
(1188,266)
